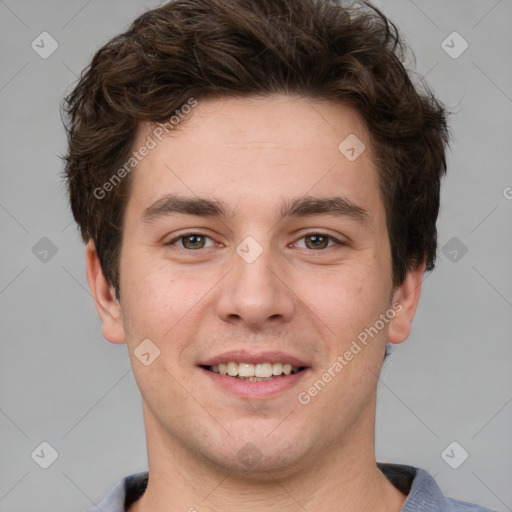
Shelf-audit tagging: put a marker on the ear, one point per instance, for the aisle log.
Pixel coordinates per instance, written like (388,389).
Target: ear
(107,305)
(408,296)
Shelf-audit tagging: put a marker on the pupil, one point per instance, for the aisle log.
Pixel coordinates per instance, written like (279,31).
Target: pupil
(194,239)
(317,240)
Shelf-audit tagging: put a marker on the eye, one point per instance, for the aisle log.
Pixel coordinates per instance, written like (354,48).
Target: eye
(191,241)
(194,241)
(318,241)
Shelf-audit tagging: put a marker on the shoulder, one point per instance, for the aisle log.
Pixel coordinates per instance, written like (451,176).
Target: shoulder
(453,505)
(123,494)
(423,493)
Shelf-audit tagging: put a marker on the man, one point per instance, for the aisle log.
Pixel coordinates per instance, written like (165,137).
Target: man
(257,182)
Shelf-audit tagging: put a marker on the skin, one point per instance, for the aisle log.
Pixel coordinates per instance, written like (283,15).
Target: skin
(309,302)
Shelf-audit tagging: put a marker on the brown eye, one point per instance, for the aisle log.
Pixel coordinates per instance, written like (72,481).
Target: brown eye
(191,241)
(317,241)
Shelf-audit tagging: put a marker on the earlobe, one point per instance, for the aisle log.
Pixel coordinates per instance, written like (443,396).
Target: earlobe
(407,296)
(107,305)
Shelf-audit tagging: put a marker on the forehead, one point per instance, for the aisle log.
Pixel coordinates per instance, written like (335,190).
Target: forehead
(258,151)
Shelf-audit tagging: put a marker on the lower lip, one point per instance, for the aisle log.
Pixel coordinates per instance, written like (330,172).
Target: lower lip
(259,390)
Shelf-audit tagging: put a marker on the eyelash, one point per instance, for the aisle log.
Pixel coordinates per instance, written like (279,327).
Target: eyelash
(312,233)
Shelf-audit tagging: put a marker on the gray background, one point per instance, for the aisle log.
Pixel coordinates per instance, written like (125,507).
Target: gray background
(60,382)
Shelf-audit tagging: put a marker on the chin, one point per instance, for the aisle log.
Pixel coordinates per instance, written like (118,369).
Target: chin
(261,467)
(259,457)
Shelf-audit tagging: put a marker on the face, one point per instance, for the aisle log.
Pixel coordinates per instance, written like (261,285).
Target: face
(251,242)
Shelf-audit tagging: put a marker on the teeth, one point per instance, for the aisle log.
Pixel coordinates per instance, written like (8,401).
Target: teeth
(263,370)
(245,370)
(232,369)
(248,370)
(277,368)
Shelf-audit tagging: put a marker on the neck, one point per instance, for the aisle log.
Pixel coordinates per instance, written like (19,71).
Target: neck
(343,478)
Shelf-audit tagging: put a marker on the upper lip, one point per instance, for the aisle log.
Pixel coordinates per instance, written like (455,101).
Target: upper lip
(243,356)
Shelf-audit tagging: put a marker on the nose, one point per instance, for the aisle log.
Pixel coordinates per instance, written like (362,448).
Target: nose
(257,293)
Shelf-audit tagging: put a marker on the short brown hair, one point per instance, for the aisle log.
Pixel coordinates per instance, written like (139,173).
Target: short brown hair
(317,49)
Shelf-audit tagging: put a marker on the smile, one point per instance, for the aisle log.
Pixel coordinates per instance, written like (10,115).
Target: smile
(254,372)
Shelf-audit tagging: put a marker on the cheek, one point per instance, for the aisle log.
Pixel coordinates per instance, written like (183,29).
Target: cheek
(347,299)
(152,299)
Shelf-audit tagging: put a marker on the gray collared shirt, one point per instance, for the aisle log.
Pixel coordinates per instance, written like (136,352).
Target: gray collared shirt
(423,494)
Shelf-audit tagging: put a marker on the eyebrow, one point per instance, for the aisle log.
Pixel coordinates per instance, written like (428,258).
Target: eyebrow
(170,204)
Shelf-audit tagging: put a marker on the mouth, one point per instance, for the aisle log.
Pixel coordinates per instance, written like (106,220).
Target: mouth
(259,372)
(255,376)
